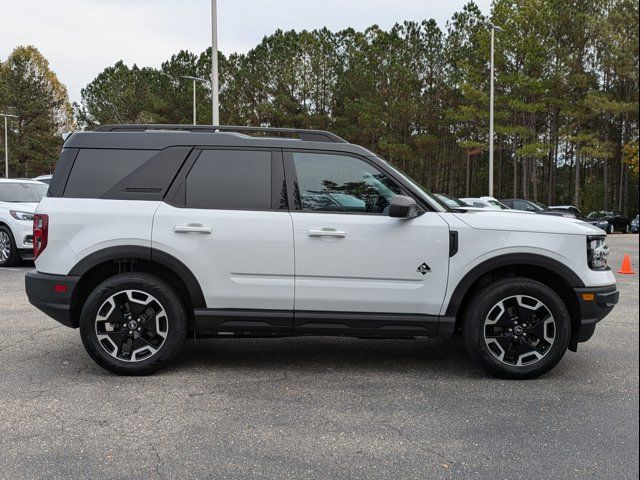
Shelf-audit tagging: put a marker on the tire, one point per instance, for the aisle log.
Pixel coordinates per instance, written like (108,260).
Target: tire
(152,344)
(9,256)
(490,314)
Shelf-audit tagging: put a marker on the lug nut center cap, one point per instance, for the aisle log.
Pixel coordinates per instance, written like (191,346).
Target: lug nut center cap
(518,330)
(132,325)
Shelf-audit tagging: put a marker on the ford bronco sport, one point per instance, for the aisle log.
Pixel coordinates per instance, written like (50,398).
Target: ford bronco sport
(150,233)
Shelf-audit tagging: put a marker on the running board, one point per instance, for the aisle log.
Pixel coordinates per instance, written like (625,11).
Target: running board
(221,322)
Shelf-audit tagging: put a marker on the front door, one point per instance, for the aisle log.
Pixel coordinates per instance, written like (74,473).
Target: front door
(356,268)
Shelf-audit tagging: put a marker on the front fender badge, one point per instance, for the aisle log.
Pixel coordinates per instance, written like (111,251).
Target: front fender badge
(424,269)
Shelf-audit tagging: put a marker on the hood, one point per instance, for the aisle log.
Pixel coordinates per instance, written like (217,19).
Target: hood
(19,206)
(524,222)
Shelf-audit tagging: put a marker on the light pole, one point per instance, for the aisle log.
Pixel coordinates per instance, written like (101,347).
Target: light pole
(195,79)
(6,142)
(215,111)
(491,134)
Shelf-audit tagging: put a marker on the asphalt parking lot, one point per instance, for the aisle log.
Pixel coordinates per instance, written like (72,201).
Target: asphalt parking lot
(315,407)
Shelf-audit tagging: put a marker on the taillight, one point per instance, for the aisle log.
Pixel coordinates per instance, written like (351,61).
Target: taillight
(40,233)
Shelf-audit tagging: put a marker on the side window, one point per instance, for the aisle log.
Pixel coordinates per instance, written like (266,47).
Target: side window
(96,171)
(339,183)
(230,180)
(520,205)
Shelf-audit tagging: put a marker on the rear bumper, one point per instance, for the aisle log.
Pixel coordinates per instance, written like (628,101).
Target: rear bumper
(595,304)
(52,294)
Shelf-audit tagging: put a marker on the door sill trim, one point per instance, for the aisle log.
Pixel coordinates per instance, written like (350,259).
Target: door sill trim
(220,322)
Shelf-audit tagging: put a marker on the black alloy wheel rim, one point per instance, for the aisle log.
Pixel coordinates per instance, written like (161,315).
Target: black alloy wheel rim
(5,247)
(131,325)
(519,330)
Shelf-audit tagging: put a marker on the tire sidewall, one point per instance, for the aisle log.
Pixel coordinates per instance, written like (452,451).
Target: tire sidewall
(482,304)
(13,258)
(176,317)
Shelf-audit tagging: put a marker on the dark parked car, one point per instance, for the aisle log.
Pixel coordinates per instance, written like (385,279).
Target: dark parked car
(568,209)
(634,224)
(609,221)
(535,207)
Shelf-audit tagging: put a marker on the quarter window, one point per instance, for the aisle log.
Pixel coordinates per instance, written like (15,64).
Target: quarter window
(230,180)
(339,183)
(96,171)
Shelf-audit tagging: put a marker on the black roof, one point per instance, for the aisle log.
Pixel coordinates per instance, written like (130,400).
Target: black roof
(158,137)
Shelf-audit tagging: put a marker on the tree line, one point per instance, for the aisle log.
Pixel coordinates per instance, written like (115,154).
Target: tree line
(418,95)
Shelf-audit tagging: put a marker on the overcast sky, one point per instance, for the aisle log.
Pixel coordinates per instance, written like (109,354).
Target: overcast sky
(82,37)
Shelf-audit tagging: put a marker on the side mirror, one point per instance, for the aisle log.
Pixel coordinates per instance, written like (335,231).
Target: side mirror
(403,207)
(531,209)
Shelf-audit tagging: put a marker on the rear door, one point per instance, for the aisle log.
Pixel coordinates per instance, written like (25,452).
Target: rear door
(226,219)
(357,269)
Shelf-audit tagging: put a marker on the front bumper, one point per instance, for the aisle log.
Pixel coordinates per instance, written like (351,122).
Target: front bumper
(52,294)
(23,234)
(595,304)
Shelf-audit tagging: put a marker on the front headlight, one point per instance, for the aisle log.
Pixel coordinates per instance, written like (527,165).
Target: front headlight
(26,216)
(597,253)
(603,224)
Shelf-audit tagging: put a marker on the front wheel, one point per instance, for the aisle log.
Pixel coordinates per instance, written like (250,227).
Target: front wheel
(9,256)
(517,328)
(133,324)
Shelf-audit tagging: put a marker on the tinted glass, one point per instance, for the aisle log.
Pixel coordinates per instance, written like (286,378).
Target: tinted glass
(338,183)
(498,205)
(230,180)
(526,206)
(97,171)
(22,192)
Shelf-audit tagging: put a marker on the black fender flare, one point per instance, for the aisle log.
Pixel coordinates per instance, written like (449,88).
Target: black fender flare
(149,254)
(507,260)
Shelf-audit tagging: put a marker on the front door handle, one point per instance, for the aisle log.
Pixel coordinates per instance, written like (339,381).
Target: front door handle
(193,228)
(327,232)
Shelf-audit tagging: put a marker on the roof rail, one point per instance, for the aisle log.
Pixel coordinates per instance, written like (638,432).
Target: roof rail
(305,135)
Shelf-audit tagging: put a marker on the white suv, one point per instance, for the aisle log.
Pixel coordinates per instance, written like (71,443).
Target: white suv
(18,201)
(149,233)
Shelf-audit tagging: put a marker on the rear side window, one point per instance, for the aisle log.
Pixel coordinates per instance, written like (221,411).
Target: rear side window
(230,180)
(95,171)
(121,174)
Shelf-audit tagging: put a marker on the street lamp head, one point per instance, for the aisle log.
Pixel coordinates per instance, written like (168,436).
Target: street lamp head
(492,26)
(197,79)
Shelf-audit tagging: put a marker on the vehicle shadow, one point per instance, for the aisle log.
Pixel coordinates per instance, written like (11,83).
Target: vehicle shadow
(431,357)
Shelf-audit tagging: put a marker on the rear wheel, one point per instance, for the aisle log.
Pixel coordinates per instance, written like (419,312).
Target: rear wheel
(133,324)
(517,328)
(9,256)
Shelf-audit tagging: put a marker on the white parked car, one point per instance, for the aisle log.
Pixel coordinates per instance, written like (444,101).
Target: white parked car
(44,179)
(146,237)
(18,201)
(485,202)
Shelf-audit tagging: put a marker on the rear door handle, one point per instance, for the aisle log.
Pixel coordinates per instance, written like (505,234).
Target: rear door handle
(327,232)
(193,228)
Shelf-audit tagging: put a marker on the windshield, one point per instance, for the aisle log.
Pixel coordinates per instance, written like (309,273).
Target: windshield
(450,201)
(437,203)
(498,205)
(600,214)
(540,204)
(22,192)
